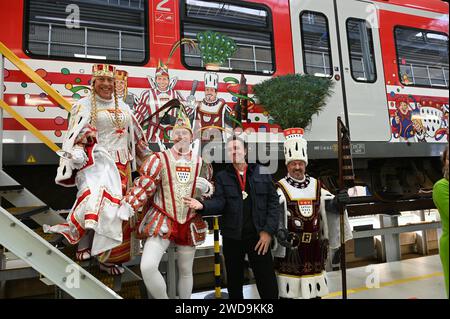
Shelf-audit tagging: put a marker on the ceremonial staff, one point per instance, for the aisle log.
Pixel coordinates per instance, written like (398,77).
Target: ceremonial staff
(346,180)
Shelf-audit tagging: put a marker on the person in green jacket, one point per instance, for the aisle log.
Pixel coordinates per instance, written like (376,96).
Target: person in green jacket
(440,198)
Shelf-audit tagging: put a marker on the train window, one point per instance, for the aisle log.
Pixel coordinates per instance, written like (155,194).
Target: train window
(360,47)
(316,43)
(110,30)
(422,57)
(249,25)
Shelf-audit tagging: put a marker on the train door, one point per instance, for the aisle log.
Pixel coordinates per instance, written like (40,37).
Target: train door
(316,52)
(363,72)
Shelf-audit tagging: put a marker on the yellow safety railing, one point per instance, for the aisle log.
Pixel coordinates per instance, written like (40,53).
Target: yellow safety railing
(14,59)
(30,127)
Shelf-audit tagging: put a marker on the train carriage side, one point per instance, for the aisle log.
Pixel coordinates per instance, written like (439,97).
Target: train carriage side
(135,35)
(362,46)
(366,50)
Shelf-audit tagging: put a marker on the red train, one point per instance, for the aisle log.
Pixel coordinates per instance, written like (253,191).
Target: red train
(388,59)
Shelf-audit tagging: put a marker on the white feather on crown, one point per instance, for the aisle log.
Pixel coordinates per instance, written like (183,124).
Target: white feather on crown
(295,146)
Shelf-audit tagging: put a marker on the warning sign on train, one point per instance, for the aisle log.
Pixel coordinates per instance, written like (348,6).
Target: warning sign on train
(31,159)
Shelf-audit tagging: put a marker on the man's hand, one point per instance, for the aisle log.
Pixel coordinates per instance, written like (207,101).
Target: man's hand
(342,197)
(264,243)
(192,203)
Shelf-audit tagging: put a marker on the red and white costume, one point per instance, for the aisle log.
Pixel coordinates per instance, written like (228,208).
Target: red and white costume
(108,156)
(160,189)
(151,101)
(312,230)
(210,118)
(166,178)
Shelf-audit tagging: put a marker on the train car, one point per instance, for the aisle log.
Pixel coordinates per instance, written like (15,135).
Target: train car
(388,60)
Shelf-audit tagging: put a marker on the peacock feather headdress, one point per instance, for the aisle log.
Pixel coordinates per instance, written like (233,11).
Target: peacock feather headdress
(215,48)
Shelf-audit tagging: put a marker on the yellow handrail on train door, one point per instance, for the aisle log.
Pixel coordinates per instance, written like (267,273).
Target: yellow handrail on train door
(22,66)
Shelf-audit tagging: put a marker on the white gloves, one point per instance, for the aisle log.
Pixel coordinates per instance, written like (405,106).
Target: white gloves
(125,211)
(204,186)
(79,158)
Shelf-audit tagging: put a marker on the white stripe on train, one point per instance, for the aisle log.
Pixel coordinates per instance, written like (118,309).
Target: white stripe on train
(25,137)
(417,91)
(133,71)
(32,112)
(16,88)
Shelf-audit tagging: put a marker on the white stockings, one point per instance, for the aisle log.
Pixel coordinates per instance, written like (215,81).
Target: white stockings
(154,249)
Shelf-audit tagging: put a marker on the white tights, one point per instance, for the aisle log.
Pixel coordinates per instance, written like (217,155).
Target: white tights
(154,249)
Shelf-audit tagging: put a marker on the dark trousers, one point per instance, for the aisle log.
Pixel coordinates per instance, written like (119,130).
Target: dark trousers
(262,265)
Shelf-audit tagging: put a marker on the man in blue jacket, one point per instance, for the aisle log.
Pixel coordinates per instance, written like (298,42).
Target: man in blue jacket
(249,204)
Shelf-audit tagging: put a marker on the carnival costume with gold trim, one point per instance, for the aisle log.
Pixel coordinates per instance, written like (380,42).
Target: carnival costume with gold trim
(160,189)
(104,144)
(165,179)
(306,229)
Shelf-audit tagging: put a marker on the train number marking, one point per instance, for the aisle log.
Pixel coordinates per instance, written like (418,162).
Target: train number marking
(160,6)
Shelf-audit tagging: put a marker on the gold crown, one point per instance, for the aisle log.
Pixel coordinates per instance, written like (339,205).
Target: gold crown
(121,75)
(182,119)
(103,70)
(162,69)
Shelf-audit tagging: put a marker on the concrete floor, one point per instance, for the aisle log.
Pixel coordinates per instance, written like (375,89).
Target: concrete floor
(420,278)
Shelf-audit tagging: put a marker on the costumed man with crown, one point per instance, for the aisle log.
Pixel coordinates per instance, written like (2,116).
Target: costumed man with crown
(307,228)
(212,114)
(102,146)
(151,101)
(166,178)
(122,89)
(402,123)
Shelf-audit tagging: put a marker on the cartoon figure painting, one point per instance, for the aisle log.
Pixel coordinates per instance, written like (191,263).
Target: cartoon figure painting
(433,117)
(212,115)
(122,89)
(402,125)
(419,128)
(152,100)
(427,121)
(162,89)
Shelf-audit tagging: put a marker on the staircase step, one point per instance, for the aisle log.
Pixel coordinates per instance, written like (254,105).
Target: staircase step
(8,188)
(133,290)
(53,239)
(102,276)
(26,212)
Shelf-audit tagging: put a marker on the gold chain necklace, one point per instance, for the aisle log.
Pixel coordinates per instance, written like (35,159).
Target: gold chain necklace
(117,120)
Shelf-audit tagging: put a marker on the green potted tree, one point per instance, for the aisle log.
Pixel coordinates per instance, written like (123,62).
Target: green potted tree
(292,99)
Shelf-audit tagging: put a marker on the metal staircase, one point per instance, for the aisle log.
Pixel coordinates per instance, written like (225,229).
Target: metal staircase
(44,255)
(49,260)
